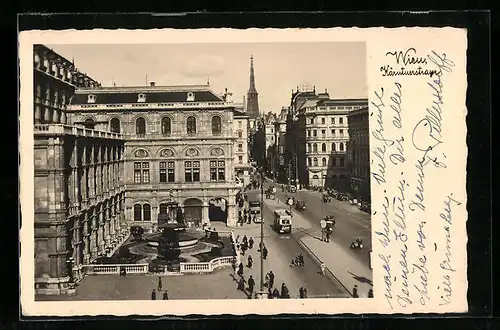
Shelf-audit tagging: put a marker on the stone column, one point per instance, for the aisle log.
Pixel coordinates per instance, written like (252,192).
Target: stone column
(38,114)
(75,178)
(91,176)
(107,225)
(105,172)
(86,239)
(55,116)
(94,235)
(204,214)
(101,241)
(46,114)
(83,178)
(98,174)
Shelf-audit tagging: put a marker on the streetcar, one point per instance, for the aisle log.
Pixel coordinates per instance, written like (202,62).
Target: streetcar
(283,221)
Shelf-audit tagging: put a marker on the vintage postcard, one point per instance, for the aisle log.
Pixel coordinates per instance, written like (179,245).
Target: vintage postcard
(177,172)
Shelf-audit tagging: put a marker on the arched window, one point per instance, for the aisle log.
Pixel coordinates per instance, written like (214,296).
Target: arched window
(137,212)
(166,127)
(323,161)
(323,147)
(216,125)
(163,208)
(315,147)
(191,125)
(308,147)
(146,208)
(89,123)
(114,125)
(315,161)
(140,126)
(333,147)
(341,146)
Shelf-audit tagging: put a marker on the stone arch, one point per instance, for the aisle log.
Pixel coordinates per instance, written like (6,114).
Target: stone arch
(137,149)
(193,210)
(166,152)
(187,152)
(217,152)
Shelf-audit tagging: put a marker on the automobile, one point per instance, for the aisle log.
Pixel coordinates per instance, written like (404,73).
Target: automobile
(366,207)
(300,205)
(292,188)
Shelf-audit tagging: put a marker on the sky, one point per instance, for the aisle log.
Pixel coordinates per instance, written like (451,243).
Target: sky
(339,67)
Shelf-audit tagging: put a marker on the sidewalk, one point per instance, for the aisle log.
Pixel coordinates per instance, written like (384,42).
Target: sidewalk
(337,259)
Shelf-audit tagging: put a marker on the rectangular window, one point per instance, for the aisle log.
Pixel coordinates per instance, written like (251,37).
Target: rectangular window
(217,170)
(315,133)
(163,172)
(323,132)
(312,120)
(240,134)
(333,120)
(333,132)
(240,147)
(141,172)
(240,159)
(309,133)
(341,120)
(192,171)
(322,120)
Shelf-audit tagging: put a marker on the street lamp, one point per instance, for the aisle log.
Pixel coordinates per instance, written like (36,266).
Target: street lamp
(262,295)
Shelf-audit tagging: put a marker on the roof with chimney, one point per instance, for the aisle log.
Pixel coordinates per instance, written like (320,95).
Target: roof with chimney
(145,94)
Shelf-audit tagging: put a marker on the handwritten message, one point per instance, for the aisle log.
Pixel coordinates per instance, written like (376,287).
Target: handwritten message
(411,134)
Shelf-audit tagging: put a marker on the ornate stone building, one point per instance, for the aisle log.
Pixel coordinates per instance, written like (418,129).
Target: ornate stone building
(359,153)
(241,164)
(179,148)
(79,194)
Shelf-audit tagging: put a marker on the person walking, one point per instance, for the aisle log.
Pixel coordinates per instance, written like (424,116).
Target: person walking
(245,240)
(153,294)
(305,292)
(284,292)
(241,284)
(271,279)
(251,284)
(370,293)
(240,269)
(322,224)
(160,284)
(250,261)
(355,292)
(301,292)
(264,253)
(165,295)
(323,268)
(250,243)
(233,264)
(276,293)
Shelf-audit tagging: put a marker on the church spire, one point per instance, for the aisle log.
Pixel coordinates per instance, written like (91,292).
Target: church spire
(252,88)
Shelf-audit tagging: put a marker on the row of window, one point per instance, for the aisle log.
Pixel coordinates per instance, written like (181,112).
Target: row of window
(323,120)
(333,161)
(314,147)
(191,171)
(143,212)
(314,133)
(166,125)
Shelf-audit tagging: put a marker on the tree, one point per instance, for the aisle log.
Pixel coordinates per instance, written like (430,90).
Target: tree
(137,232)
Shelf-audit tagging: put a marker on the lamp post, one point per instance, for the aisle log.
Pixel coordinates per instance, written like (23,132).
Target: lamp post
(261,234)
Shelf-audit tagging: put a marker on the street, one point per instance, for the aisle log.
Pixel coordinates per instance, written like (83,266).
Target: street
(348,224)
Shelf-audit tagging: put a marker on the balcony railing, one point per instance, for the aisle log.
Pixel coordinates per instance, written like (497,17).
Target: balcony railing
(61,129)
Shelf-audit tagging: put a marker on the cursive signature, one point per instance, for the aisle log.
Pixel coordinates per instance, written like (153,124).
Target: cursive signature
(407,57)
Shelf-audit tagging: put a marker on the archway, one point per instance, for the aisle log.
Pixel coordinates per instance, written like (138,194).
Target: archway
(315,181)
(193,211)
(217,209)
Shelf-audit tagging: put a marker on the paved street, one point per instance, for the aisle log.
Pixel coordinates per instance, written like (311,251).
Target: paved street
(350,267)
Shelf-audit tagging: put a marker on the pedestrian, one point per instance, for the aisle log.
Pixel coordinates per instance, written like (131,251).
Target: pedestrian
(276,293)
(250,261)
(355,292)
(165,295)
(284,292)
(241,284)
(323,267)
(301,292)
(266,283)
(153,294)
(251,284)
(271,279)
(370,293)
(238,239)
(245,240)
(264,253)
(233,264)
(305,292)
(160,284)
(250,243)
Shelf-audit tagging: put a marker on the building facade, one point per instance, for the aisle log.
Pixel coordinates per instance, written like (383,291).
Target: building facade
(359,153)
(79,194)
(179,148)
(280,145)
(319,126)
(241,162)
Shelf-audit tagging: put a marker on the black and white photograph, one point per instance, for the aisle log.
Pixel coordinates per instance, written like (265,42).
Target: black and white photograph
(201,171)
(317,170)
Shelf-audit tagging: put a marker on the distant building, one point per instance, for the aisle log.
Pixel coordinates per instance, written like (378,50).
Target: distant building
(252,100)
(359,153)
(280,144)
(319,126)
(241,154)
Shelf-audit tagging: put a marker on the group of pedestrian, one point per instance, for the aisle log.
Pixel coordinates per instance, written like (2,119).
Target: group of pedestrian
(356,295)
(160,288)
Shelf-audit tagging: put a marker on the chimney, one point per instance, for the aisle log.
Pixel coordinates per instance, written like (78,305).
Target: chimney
(152,83)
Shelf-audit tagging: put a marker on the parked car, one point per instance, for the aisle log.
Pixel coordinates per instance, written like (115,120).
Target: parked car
(300,205)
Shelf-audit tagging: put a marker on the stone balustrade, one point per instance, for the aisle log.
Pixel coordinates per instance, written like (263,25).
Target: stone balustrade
(115,269)
(61,129)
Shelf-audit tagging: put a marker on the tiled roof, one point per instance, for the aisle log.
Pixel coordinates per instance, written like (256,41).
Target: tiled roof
(152,95)
(343,101)
(238,113)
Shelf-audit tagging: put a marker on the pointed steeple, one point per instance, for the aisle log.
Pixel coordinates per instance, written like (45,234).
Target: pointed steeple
(252,88)
(252,95)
